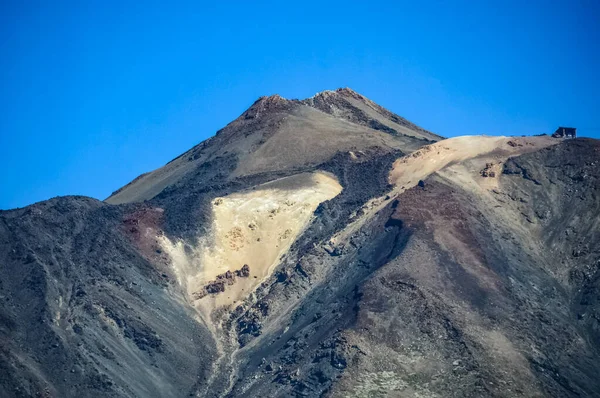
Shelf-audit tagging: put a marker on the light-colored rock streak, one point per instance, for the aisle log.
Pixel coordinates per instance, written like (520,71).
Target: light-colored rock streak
(408,170)
(254,227)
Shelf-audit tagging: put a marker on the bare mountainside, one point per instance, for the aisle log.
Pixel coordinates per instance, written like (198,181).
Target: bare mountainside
(279,135)
(318,247)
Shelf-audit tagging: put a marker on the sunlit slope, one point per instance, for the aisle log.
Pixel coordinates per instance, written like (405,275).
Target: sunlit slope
(252,228)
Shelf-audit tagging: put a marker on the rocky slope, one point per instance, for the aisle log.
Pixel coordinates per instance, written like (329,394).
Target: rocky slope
(323,247)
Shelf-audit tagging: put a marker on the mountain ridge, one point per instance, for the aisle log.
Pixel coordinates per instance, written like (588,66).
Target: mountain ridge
(267,135)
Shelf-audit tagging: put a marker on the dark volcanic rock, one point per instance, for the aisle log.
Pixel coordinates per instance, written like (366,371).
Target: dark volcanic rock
(76,295)
(243,272)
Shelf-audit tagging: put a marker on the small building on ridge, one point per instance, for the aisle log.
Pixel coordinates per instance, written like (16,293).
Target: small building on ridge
(565,132)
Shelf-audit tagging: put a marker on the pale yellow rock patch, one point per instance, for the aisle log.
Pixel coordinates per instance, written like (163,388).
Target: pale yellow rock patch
(254,227)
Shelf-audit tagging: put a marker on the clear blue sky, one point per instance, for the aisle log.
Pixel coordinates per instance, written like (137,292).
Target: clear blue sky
(94,93)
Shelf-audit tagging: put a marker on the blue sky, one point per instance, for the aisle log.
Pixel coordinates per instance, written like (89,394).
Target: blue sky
(93,94)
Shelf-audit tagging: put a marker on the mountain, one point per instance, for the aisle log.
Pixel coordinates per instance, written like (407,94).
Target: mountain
(276,135)
(317,247)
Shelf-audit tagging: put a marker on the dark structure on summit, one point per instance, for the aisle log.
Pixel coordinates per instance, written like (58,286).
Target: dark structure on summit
(565,132)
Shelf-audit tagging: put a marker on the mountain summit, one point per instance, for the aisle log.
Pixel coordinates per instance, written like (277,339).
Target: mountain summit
(276,134)
(316,247)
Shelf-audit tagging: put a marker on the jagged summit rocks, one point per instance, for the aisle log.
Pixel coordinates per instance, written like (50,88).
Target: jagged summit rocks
(267,104)
(348,104)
